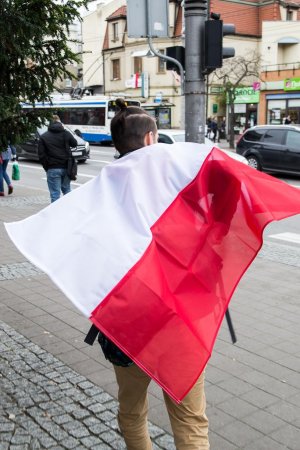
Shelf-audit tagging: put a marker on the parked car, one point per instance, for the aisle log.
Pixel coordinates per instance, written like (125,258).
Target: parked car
(272,148)
(172,136)
(29,148)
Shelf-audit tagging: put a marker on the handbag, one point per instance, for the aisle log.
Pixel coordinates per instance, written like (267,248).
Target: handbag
(72,168)
(15,171)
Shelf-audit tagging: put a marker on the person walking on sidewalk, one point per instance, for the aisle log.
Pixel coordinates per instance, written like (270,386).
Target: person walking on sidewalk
(132,128)
(5,157)
(53,149)
(214,129)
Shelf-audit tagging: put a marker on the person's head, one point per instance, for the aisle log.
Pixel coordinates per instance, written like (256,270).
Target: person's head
(132,128)
(55,118)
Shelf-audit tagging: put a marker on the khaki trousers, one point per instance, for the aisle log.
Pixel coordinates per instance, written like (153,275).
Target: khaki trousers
(188,420)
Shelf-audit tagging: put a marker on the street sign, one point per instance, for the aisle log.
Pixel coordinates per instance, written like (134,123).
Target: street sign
(145,84)
(147,18)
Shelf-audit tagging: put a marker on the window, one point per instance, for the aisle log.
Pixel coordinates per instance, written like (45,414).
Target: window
(276,111)
(115,32)
(273,137)
(254,135)
(115,69)
(293,139)
(68,83)
(83,116)
(137,64)
(161,65)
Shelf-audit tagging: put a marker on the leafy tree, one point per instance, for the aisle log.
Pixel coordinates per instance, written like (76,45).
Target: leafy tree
(236,72)
(34,53)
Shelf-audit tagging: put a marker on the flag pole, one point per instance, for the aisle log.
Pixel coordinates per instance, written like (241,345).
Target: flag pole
(230,326)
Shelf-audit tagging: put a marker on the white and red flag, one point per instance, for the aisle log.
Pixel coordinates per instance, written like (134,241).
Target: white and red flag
(153,248)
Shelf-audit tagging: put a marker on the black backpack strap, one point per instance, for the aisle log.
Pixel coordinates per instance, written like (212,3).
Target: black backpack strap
(92,334)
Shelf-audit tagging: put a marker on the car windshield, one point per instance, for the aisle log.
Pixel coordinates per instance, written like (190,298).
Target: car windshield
(179,137)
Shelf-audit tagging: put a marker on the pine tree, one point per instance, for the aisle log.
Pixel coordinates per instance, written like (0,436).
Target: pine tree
(34,53)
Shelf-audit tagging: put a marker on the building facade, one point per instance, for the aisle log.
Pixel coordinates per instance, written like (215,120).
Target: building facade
(114,64)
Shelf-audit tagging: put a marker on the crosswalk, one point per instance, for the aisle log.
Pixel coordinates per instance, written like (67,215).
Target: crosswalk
(288,237)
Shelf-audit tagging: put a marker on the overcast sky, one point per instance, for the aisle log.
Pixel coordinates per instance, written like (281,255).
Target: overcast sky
(92,6)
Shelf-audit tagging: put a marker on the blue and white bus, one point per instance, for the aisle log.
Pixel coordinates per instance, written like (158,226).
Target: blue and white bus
(89,116)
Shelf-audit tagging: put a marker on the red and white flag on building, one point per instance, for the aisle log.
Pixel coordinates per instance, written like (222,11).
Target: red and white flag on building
(153,248)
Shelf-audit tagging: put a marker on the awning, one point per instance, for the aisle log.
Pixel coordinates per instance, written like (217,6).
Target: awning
(288,40)
(141,53)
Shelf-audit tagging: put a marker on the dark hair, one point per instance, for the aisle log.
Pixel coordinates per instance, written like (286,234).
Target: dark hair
(129,127)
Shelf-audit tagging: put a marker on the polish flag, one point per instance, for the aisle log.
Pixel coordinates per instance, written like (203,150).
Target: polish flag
(136,80)
(152,249)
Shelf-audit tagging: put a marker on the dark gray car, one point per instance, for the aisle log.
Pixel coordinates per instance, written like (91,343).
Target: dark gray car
(29,148)
(272,148)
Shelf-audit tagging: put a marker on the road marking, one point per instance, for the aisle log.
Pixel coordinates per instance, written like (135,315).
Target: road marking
(100,160)
(85,175)
(290,237)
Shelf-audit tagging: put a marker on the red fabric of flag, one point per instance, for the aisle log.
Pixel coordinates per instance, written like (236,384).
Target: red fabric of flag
(166,312)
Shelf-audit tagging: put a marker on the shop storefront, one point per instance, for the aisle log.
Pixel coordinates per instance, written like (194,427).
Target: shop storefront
(286,103)
(245,108)
(161,113)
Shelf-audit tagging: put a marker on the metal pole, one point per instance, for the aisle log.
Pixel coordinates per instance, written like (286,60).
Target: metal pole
(195,14)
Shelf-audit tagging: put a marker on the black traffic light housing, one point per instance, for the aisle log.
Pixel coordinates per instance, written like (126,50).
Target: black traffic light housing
(214,52)
(178,53)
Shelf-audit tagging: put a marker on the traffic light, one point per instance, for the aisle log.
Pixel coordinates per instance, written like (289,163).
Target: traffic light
(214,52)
(178,53)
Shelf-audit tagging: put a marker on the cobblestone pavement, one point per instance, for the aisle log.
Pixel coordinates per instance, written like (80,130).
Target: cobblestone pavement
(47,405)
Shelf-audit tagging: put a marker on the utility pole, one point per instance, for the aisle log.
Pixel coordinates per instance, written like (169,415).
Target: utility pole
(195,15)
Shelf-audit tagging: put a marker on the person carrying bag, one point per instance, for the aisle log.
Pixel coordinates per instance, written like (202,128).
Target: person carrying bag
(5,157)
(56,157)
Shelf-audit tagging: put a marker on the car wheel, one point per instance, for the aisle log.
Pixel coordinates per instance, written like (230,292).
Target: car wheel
(253,162)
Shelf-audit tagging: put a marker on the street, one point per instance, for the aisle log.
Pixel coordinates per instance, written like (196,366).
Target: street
(59,393)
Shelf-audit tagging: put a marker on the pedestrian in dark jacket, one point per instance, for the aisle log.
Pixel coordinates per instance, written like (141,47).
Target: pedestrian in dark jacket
(214,128)
(54,149)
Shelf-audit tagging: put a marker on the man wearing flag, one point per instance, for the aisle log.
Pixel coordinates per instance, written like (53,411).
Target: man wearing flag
(131,129)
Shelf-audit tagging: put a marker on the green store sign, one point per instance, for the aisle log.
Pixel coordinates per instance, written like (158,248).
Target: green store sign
(291,84)
(246,95)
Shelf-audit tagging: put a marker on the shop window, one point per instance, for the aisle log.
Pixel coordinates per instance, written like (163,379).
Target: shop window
(137,64)
(276,111)
(115,69)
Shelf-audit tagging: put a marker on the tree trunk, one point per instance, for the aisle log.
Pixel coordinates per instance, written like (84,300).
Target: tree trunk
(231,120)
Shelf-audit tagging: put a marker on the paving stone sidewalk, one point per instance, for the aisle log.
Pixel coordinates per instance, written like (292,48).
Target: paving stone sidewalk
(47,405)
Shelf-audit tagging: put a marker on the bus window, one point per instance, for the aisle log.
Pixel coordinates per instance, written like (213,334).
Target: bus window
(96,116)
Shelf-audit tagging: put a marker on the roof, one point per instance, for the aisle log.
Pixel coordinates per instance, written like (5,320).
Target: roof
(118,14)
